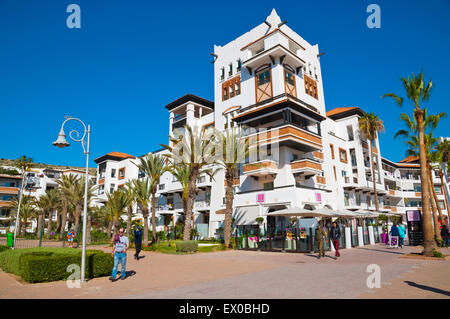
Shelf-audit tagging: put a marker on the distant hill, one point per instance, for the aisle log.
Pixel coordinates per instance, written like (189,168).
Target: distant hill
(10,162)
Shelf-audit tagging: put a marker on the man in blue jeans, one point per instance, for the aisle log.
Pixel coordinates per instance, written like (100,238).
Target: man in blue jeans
(119,252)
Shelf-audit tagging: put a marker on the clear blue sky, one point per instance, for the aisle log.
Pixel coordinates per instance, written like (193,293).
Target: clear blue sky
(130,58)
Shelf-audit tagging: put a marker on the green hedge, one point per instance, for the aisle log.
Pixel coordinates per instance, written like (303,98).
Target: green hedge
(50,264)
(3,248)
(187,246)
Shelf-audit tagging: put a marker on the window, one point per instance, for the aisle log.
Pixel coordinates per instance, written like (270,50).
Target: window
(350,133)
(113,173)
(335,176)
(310,87)
(101,189)
(437,189)
(264,77)
(346,199)
(230,69)
(268,186)
(111,188)
(231,88)
(161,186)
(239,65)
(358,199)
(141,174)
(122,173)
(332,151)
(222,75)
(441,204)
(201,179)
(289,77)
(343,155)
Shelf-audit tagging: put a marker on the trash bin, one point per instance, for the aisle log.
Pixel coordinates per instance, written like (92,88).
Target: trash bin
(9,239)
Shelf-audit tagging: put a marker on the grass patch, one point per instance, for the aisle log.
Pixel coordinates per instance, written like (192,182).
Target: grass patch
(170,248)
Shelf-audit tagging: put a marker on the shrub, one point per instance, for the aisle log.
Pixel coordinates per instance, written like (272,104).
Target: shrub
(187,246)
(99,236)
(3,248)
(50,264)
(437,254)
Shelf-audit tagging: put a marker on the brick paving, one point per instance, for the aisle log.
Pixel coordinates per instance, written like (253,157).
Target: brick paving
(251,274)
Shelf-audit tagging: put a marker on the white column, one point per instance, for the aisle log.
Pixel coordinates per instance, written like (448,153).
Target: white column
(348,238)
(371,236)
(190,111)
(360,237)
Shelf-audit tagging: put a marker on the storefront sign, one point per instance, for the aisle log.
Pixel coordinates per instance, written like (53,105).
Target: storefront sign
(260,198)
(413,215)
(319,197)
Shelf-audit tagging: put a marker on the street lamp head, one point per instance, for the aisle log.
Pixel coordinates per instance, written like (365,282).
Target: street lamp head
(61,140)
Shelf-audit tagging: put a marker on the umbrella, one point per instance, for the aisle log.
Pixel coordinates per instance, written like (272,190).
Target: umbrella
(300,212)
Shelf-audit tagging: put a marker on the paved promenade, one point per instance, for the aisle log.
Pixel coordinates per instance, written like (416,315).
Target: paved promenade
(244,274)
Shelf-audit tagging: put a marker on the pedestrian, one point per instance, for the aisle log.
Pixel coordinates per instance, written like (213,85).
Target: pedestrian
(320,234)
(119,253)
(394,235)
(70,236)
(335,236)
(445,235)
(137,242)
(401,235)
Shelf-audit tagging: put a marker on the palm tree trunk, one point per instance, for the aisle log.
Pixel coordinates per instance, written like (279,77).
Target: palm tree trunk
(145,213)
(129,214)
(58,222)
(108,230)
(437,233)
(374,179)
(154,237)
(229,207)
(49,222)
(116,225)
(39,224)
(429,243)
(190,204)
(444,188)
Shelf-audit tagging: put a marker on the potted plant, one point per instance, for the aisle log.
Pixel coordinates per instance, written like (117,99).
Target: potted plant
(259,220)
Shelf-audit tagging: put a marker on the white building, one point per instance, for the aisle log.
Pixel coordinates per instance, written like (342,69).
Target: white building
(268,82)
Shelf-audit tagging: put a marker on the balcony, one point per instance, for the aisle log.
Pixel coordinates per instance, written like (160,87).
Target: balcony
(261,168)
(287,135)
(275,45)
(321,180)
(306,167)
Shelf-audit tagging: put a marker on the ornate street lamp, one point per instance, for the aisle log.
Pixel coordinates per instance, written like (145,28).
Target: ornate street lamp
(62,142)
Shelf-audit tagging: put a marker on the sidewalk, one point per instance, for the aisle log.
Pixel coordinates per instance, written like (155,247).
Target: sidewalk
(248,274)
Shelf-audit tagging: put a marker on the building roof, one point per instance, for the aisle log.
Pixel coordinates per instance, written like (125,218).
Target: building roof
(401,164)
(117,156)
(190,98)
(410,159)
(341,112)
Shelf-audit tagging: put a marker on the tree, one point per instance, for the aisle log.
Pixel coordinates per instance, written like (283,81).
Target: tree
(154,166)
(181,173)
(417,93)
(370,125)
(116,204)
(193,148)
(77,198)
(66,184)
(234,151)
(142,191)
(27,212)
(131,199)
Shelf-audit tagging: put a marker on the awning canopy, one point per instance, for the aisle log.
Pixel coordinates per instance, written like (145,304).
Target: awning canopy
(300,212)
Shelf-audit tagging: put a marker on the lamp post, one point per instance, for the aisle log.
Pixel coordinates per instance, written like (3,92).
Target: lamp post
(61,142)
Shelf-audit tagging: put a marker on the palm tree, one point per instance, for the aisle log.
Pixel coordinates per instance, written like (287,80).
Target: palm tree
(181,173)
(27,212)
(77,198)
(116,204)
(194,149)
(143,192)
(234,150)
(66,184)
(370,125)
(417,93)
(53,200)
(430,123)
(23,164)
(154,166)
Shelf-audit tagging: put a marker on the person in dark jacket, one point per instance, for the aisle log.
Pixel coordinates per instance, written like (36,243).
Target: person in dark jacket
(445,235)
(335,236)
(137,242)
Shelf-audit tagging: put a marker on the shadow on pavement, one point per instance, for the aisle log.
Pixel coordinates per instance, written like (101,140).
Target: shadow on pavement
(384,251)
(436,290)
(130,273)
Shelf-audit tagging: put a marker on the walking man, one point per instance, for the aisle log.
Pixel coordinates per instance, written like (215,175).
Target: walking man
(335,235)
(137,242)
(320,234)
(119,252)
